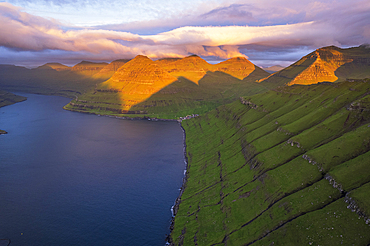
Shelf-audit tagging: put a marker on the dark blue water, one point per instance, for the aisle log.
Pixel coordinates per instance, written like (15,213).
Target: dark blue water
(68,178)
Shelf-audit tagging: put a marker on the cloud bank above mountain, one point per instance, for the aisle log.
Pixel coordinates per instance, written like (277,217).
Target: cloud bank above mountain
(214,30)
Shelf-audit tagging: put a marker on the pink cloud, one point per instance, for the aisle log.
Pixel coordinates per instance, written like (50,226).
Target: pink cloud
(319,26)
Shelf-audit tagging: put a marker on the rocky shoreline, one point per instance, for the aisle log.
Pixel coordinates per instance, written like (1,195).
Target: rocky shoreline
(175,207)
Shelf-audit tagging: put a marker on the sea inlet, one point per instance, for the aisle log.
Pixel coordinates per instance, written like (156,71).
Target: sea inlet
(69,178)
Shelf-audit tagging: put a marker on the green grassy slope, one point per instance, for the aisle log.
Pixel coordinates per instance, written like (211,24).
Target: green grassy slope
(181,98)
(279,168)
(7,98)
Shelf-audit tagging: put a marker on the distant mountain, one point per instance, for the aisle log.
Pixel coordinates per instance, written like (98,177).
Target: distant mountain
(51,78)
(195,68)
(88,68)
(328,64)
(165,61)
(192,68)
(171,87)
(107,71)
(273,69)
(240,68)
(56,66)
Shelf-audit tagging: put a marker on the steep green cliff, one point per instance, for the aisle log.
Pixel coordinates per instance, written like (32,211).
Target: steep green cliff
(287,167)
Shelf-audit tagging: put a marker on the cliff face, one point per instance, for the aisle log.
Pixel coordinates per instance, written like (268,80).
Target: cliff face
(137,80)
(328,64)
(286,167)
(324,64)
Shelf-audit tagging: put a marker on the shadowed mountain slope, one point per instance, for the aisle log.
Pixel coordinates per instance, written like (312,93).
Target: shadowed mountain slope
(273,69)
(107,71)
(55,66)
(51,78)
(173,88)
(136,81)
(7,98)
(328,64)
(87,68)
(286,167)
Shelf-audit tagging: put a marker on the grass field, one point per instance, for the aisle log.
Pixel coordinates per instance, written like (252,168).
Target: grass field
(279,168)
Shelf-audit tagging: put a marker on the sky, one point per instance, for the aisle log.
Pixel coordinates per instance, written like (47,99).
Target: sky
(267,32)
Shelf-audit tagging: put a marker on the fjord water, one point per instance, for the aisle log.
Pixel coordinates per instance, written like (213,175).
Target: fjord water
(69,178)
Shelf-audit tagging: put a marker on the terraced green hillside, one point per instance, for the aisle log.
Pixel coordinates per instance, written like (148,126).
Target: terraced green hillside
(287,167)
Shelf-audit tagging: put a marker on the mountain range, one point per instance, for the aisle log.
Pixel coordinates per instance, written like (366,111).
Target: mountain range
(173,87)
(169,88)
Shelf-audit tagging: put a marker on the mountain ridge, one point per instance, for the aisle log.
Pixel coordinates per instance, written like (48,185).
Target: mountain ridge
(327,64)
(170,84)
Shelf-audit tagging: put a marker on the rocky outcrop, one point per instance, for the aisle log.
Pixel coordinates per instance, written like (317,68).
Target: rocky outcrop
(248,103)
(355,208)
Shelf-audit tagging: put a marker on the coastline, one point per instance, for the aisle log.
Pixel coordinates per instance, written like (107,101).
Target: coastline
(123,117)
(175,207)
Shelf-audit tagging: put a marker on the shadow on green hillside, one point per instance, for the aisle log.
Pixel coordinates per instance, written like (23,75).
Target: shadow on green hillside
(353,70)
(184,97)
